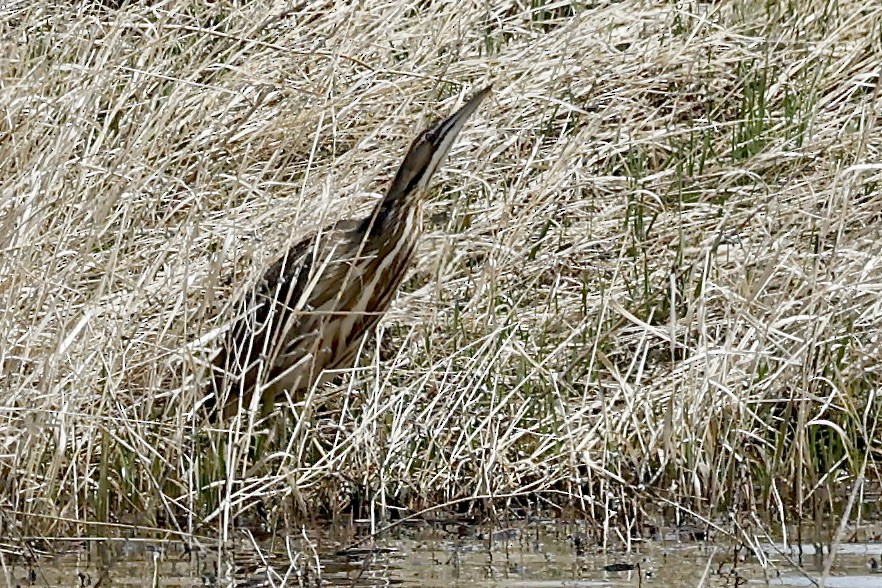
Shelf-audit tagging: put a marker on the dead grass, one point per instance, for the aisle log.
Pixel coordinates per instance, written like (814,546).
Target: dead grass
(651,275)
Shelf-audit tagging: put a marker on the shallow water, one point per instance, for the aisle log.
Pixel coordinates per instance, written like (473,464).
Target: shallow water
(548,555)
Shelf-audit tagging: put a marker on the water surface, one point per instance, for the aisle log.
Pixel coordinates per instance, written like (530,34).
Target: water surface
(536,555)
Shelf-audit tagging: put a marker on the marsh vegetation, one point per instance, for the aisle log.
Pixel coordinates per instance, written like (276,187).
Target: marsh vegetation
(651,278)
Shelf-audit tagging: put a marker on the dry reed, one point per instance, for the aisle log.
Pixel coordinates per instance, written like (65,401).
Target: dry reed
(651,274)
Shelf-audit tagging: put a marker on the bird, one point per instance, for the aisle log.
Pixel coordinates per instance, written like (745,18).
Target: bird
(322,297)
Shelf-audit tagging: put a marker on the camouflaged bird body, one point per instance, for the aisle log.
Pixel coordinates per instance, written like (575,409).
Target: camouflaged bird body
(316,304)
(309,313)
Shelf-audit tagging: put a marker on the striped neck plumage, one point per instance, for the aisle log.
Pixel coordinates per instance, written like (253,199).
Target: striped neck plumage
(424,156)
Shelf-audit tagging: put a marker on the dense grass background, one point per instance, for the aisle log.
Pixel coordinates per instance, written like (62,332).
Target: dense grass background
(651,273)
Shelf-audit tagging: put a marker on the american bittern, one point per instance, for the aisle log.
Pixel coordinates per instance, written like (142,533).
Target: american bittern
(321,298)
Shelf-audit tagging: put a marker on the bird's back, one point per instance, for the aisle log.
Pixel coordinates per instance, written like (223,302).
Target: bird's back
(311,311)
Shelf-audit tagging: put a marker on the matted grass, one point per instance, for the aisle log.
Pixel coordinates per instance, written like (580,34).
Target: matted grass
(651,273)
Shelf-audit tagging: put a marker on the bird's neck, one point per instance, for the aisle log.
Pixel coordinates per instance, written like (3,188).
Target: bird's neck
(394,218)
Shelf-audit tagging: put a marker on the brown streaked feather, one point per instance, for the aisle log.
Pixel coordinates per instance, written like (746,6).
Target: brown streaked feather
(319,300)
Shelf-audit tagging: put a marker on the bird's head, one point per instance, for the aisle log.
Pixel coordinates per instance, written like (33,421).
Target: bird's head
(429,149)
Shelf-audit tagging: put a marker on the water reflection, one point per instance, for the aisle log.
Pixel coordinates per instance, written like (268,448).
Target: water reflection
(547,555)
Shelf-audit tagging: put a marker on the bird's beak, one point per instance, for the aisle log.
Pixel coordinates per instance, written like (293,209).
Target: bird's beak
(429,149)
(443,134)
